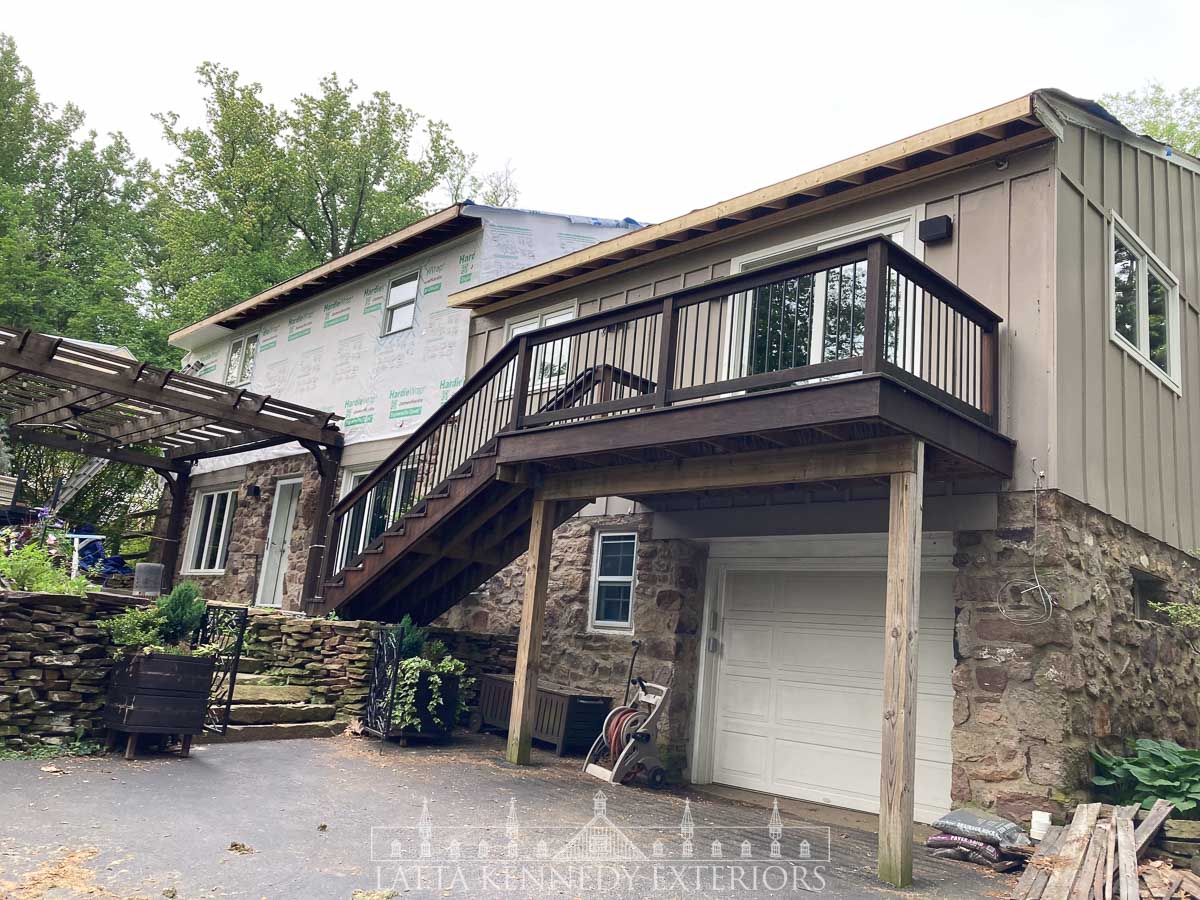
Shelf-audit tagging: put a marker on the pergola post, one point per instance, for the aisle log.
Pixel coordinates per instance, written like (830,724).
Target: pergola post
(328,462)
(898,759)
(178,486)
(529,642)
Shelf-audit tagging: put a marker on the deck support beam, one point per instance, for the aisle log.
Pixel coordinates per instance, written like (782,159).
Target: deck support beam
(898,759)
(529,642)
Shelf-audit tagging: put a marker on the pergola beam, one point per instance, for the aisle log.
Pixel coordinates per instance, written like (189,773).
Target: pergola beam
(148,428)
(57,408)
(89,448)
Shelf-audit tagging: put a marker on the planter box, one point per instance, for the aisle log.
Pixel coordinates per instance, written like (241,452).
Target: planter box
(568,720)
(448,713)
(159,693)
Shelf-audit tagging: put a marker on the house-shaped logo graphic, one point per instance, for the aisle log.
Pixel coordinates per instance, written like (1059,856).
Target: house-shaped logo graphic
(599,840)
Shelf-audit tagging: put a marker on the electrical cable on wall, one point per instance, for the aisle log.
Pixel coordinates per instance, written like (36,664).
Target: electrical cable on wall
(1028,602)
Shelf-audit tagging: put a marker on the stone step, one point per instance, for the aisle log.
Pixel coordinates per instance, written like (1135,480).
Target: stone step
(255,678)
(279,713)
(269,693)
(238,733)
(249,665)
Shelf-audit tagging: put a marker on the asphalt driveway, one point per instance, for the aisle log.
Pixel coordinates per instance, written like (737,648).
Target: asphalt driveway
(328,818)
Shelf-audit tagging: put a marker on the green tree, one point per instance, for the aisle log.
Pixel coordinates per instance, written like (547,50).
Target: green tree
(259,194)
(1172,117)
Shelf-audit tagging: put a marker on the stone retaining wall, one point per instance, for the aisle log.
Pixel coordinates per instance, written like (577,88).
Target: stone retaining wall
(329,657)
(54,665)
(1031,699)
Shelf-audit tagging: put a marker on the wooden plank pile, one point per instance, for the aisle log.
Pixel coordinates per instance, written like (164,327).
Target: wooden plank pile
(1099,857)
(1178,842)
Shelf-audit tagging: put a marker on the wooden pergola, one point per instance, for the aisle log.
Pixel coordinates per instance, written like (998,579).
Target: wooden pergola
(72,396)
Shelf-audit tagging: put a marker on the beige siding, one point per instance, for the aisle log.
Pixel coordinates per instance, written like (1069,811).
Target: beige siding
(1126,443)
(1001,253)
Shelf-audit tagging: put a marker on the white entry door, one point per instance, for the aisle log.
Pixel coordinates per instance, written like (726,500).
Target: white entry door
(279,540)
(799,687)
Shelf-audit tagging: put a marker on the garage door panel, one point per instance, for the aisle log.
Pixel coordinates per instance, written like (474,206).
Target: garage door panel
(745,697)
(799,690)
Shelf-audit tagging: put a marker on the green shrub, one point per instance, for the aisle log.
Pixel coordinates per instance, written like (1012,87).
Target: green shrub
(167,626)
(1157,770)
(32,568)
(182,613)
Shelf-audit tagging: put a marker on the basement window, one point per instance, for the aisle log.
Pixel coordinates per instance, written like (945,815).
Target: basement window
(1148,590)
(242,354)
(1145,304)
(612,581)
(212,521)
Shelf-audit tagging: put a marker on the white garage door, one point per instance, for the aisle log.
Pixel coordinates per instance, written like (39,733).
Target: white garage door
(799,687)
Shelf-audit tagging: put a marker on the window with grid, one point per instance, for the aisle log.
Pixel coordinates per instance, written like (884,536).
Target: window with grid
(241,361)
(401,304)
(612,582)
(1145,304)
(212,521)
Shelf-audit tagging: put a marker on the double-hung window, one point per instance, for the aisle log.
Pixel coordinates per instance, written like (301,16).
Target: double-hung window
(401,304)
(1145,303)
(551,362)
(212,521)
(241,361)
(612,581)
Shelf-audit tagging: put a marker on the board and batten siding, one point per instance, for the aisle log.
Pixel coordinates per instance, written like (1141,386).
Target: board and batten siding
(1000,252)
(1127,443)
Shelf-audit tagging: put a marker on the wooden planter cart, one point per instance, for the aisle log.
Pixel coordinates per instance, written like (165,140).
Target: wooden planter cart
(174,694)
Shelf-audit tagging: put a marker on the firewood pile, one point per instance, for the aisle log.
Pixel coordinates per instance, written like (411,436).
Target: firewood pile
(1106,852)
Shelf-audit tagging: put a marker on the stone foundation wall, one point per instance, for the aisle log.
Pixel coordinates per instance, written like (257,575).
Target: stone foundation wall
(667,609)
(331,658)
(1031,699)
(483,654)
(54,666)
(248,537)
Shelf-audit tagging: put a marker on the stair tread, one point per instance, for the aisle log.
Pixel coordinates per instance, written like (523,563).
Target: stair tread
(274,732)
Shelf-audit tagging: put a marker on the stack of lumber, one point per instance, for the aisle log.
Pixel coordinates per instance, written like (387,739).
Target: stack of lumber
(1178,842)
(1099,857)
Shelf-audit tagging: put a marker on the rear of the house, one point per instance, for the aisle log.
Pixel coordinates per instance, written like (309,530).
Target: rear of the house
(706,403)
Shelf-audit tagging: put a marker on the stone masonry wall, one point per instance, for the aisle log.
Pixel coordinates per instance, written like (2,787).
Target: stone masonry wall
(54,665)
(1031,699)
(248,537)
(667,609)
(330,657)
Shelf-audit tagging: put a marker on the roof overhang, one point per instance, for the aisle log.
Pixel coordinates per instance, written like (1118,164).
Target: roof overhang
(438,228)
(1000,130)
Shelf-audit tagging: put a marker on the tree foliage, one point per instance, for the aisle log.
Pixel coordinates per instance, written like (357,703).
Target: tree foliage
(1172,117)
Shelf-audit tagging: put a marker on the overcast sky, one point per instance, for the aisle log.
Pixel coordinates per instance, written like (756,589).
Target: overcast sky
(645,109)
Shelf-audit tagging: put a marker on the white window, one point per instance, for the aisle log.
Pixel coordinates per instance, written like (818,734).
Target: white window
(551,362)
(401,303)
(212,520)
(613,566)
(241,361)
(386,502)
(1144,296)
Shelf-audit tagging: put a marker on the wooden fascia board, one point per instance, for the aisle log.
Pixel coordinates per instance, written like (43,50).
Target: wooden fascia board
(942,135)
(903,179)
(824,462)
(313,276)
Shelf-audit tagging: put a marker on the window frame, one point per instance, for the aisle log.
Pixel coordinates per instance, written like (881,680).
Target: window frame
(244,377)
(1147,263)
(609,626)
(541,383)
(402,479)
(415,276)
(195,541)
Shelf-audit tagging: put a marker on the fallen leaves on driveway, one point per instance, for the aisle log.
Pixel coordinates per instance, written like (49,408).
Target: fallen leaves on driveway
(240,848)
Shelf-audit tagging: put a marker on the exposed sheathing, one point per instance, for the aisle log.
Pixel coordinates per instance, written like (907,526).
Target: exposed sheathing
(1127,443)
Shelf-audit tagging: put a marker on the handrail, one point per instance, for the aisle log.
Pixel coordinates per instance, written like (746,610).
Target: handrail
(868,307)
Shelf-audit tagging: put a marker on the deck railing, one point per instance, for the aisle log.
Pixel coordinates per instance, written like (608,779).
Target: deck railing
(867,308)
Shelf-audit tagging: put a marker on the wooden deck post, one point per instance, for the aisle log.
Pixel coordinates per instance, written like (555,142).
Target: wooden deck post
(898,759)
(529,642)
(173,540)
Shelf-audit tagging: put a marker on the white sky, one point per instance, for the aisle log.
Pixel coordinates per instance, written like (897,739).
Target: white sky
(645,109)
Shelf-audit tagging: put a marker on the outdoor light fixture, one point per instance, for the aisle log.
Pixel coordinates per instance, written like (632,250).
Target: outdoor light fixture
(935,230)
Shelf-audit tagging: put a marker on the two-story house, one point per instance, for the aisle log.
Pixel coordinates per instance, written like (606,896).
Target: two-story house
(368,336)
(889,462)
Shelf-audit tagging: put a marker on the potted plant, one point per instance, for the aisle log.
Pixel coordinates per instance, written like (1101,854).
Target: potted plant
(160,684)
(429,688)
(8,481)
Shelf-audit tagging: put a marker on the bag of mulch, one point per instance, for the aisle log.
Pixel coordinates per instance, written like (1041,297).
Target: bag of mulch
(983,826)
(952,846)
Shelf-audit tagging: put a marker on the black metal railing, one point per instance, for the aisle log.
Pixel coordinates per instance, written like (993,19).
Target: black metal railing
(865,308)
